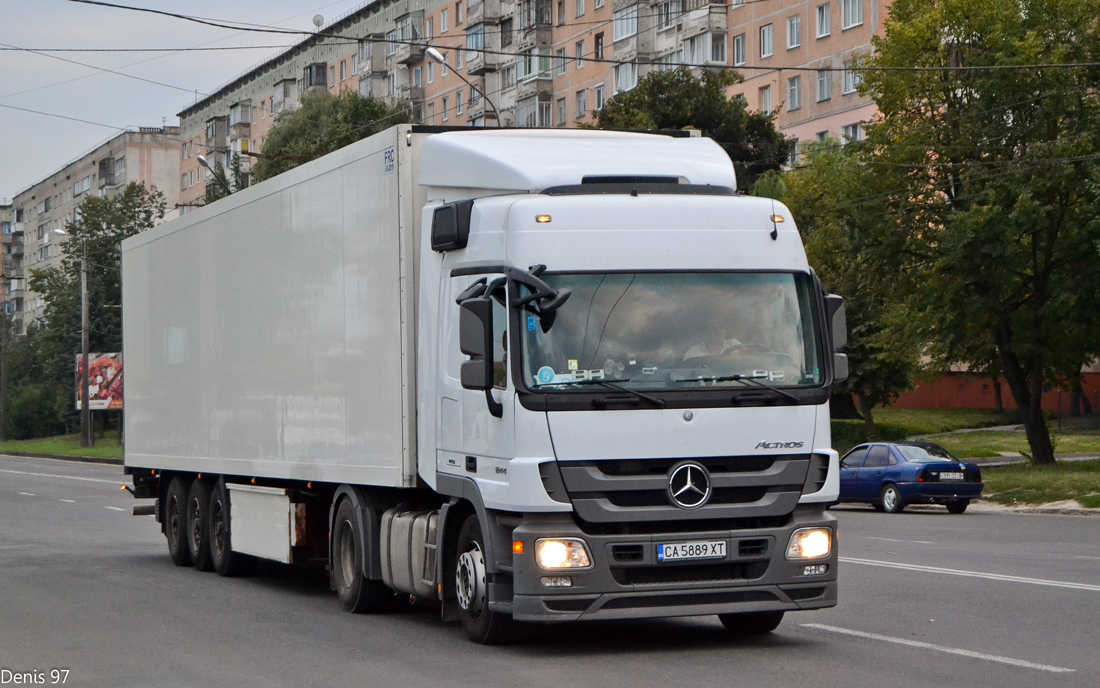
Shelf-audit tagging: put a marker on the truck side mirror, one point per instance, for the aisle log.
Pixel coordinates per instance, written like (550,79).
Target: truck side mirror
(475,339)
(838,321)
(840,368)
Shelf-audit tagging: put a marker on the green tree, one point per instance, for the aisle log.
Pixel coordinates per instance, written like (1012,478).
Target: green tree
(677,100)
(997,209)
(826,193)
(321,124)
(43,361)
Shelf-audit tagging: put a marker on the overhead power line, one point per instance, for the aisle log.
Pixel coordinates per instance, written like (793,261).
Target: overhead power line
(145,50)
(72,119)
(102,69)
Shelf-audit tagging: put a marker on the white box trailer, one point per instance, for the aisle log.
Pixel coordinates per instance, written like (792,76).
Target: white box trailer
(456,365)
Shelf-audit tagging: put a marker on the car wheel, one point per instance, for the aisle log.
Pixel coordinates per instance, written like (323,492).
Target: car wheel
(957,507)
(751,623)
(892,503)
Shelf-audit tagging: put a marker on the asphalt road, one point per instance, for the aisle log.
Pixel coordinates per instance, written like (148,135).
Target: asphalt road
(925,599)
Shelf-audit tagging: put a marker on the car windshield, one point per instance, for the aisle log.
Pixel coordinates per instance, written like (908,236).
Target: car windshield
(674,331)
(929,453)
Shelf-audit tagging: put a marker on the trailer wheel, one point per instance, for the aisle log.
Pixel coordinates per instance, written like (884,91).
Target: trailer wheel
(175,521)
(226,562)
(482,624)
(751,623)
(357,593)
(198,527)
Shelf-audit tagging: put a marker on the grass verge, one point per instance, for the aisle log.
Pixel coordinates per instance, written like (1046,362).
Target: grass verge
(988,443)
(930,421)
(1027,484)
(65,445)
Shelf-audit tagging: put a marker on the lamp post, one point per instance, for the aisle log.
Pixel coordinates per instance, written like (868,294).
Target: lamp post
(225,184)
(87,438)
(437,56)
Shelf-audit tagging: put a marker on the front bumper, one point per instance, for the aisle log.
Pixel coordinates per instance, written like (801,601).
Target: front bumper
(627,581)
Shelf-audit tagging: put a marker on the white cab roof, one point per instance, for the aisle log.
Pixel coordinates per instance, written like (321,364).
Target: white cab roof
(535,159)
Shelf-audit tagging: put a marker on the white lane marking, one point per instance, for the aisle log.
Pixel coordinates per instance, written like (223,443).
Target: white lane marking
(28,494)
(919,542)
(973,574)
(68,501)
(941,648)
(1078,556)
(66,477)
(114,508)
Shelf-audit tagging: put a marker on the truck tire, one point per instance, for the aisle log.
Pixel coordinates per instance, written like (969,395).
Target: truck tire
(483,625)
(358,594)
(175,521)
(198,527)
(226,562)
(751,623)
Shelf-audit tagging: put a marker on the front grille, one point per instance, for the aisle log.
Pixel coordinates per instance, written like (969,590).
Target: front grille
(696,573)
(635,491)
(752,548)
(687,599)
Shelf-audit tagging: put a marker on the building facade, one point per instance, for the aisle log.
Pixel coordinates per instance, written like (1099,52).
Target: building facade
(149,156)
(547,63)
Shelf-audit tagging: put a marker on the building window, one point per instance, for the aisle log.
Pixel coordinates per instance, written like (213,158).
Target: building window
(561,111)
(581,111)
(443,21)
(794,93)
(429,28)
(598,51)
(431,113)
(446,109)
(851,132)
(599,96)
(850,79)
(824,85)
(458,59)
(506,32)
(527,112)
(580,8)
(794,31)
(508,77)
(766,41)
(559,61)
(821,137)
(355,64)
(737,3)
(332,76)
(718,47)
(458,13)
(669,13)
(431,71)
(766,99)
(475,40)
(444,66)
(458,103)
(343,70)
(851,13)
(578,53)
(823,20)
(418,79)
(626,23)
(626,77)
(598,4)
(795,154)
(739,49)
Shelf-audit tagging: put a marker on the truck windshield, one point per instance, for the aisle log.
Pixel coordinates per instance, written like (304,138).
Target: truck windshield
(674,331)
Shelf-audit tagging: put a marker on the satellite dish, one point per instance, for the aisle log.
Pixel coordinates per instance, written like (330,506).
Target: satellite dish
(318,20)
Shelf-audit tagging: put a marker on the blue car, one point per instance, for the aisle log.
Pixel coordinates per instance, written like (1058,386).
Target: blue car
(891,475)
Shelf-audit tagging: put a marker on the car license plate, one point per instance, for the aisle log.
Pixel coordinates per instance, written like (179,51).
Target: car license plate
(951,475)
(708,549)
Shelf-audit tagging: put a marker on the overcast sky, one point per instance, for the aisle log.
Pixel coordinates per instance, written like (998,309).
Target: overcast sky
(33,146)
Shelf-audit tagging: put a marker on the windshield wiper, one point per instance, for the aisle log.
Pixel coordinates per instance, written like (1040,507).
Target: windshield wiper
(747,379)
(612,385)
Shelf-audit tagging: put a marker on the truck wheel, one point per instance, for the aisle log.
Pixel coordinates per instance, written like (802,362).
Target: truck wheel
(198,530)
(751,623)
(482,625)
(892,503)
(957,507)
(175,521)
(226,562)
(357,593)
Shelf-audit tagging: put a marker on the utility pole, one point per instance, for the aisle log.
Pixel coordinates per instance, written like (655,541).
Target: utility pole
(5,341)
(87,437)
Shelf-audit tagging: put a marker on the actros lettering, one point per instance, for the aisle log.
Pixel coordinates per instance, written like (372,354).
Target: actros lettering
(779,445)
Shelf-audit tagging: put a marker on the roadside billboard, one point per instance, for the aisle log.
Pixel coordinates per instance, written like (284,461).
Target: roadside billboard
(104,381)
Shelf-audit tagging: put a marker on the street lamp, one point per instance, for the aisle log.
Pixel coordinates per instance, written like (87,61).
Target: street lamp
(437,56)
(87,439)
(225,185)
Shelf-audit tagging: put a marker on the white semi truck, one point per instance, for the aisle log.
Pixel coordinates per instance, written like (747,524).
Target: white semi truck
(526,375)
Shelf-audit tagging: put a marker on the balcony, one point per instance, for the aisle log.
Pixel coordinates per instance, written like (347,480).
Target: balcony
(484,12)
(534,36)
(408,53)
(12,267)
(542,86)
(710,18)
(482,63)
(240,130)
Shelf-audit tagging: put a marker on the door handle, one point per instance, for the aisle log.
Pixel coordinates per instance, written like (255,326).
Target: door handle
(878,472)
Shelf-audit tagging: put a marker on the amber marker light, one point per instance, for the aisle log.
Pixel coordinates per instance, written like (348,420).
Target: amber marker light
(777,218)
(253,481)
(542,219)
(517,547)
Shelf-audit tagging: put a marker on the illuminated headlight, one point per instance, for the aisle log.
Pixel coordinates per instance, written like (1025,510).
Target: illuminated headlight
(810,543)
(552,555)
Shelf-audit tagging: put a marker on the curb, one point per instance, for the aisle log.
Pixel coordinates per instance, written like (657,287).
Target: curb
(61,457)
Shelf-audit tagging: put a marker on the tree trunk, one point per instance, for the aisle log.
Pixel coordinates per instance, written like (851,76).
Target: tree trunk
(1078,402)
(998,400)
(1027,391)
(865,407)
(843,407)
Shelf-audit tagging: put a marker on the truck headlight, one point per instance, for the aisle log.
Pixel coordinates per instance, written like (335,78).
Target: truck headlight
(810,543)
(562,553)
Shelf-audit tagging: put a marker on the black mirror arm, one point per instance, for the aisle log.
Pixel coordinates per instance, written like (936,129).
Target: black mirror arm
(472,292)
(495,407)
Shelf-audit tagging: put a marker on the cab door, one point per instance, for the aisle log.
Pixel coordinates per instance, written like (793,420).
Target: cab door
(472,441)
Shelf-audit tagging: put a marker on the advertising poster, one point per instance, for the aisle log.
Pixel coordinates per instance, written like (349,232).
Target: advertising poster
(104,381)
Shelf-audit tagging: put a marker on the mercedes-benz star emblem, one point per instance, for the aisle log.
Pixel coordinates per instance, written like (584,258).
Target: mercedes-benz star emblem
(689,485)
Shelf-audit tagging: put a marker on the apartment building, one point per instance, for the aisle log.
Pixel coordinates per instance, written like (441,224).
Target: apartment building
(7,248)
(546,63)
(148,155)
